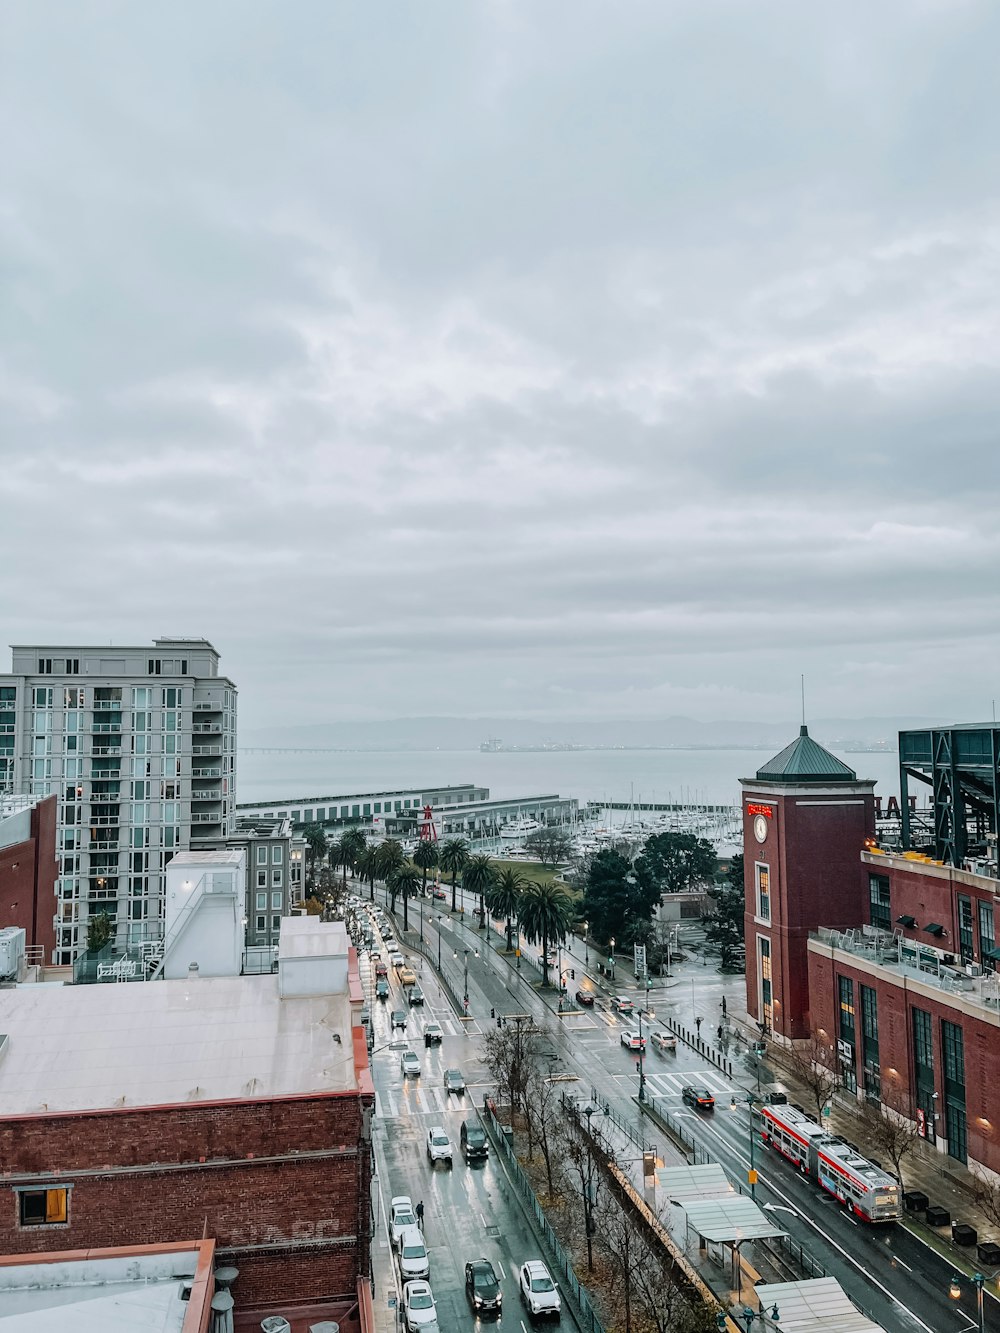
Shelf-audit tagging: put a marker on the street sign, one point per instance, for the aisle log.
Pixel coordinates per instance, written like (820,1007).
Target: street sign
(751,1177)
(827,1109)
(639,958)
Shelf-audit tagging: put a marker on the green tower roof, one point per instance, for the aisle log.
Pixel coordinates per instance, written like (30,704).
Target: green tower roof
(806,761)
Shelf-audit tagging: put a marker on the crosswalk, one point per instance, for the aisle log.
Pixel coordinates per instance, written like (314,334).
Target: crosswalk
(416,1021)
(670,1084)
(417,1098)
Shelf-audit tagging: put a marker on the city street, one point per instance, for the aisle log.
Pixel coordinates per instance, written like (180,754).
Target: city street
(892,1275)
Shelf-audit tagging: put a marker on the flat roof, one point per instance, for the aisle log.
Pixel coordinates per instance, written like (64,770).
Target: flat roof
(114,1045)
(818,1305)
(729,1220)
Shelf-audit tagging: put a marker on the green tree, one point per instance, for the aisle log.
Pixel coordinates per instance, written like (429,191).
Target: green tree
(100,930)
(503,898)
(366,868)
(453,856)
(478,876)
(545,914)
(390,857)
(550,845)
(315,837)
(615,903)
(675,862)
(425,855)
(346,850)
(405,881)
(726,928)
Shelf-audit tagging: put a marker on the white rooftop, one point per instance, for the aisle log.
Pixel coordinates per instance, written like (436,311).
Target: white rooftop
(819,1305)
(73,1048)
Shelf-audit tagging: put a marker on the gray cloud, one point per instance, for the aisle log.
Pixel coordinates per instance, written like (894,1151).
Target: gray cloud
(573,360)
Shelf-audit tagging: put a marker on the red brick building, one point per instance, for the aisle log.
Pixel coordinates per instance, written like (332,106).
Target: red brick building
(28,869)
(233,1107)
(806,817)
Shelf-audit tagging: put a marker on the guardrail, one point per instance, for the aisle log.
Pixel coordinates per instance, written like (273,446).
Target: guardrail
(696,1043)
(586,1314)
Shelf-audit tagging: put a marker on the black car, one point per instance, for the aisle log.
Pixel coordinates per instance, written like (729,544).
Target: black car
(700,1098)
(482,1287)
(585,997)
(415,996)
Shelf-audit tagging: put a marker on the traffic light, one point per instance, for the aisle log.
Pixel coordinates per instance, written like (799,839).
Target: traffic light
(499,1021)
(493,1013)
(572,973)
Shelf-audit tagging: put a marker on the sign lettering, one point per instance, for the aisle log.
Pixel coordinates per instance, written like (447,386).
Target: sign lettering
(764,810)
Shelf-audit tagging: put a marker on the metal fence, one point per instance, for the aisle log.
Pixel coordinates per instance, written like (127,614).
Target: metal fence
(561,1261)
(620,1123)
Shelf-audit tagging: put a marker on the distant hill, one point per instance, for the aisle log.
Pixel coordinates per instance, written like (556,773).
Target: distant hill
(465,733)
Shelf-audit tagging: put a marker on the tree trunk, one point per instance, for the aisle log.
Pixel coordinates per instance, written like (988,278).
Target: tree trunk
(406,919)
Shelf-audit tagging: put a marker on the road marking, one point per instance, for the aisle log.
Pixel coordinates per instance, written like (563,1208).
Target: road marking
(500,1266)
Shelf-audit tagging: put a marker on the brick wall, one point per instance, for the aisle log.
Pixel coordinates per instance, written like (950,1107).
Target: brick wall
(136,1178)
(28,872)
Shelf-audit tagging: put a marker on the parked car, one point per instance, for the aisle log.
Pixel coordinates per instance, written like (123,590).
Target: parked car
(664,1041)
(454,1080)
(433,1034)
(539,1293)
(415,996)
(482,1287)
(473,1139)
(621,1004)
(409,1064)
(401,1216)
(585,997)
(407,976)
(382,989)
(438,1145)
(419,1308)
(698,1097)
(440,893)
(413,1261)
(399,1017)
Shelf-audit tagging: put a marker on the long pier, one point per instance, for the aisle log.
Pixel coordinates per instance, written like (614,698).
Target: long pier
(688,807)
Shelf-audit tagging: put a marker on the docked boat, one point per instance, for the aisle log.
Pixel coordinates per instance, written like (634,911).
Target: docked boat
(519,829)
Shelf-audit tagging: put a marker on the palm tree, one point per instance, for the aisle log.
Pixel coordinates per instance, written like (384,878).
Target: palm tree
(545,914)
(315,837)
(425,855)
(453,856)
(477,877)
(503,897)
(405,881)
(366,867)
(346,850)
(390,857)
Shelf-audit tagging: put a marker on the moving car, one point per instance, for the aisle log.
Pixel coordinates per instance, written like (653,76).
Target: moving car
(633,1041)
(621,1004)
(474,1143)
(419,1309)
(454,1080)
(407,976)
(415,996)
(381,989)
(396,958)
(699,1097)
(482,1287)
(401,1216)
(413,1261)
(409,1064)
(440,893)
(438,1145)
(539,1293)
(585,997)
(399,1017)
(380,968)
(433,1034)
(664,1041)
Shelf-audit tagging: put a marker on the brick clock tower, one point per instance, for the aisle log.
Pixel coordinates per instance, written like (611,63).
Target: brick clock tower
(806,816)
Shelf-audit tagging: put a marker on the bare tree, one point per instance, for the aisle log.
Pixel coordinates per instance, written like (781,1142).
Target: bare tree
(576,1152)
(508,1054)
(540,1108)
(889,1127)
(988,1198)
(811,1063)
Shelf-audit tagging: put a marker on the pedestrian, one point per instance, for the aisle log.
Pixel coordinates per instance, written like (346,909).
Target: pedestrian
(718,1034)
(420,1214)
(723,1006)
(697,1023)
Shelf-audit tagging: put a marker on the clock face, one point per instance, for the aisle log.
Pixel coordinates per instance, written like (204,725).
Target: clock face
(760,828)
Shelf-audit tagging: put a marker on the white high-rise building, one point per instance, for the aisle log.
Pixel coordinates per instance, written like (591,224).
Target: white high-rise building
(139,744)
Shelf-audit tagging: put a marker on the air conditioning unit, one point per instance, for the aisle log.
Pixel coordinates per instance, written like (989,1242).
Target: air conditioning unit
(973,970)
(12,945)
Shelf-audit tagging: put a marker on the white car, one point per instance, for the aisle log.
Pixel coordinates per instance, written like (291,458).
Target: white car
(664,1041)
(419,1309)
(621,1004)
(632,1040)
(401,1216)
(539,1292)
(396,958)
(413,1261)
(438,1145)
(433,1034)
(409,1064)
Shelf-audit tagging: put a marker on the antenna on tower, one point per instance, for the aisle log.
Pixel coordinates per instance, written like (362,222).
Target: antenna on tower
(802,684)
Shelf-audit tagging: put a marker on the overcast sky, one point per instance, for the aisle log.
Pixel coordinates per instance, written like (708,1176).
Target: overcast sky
(555,359)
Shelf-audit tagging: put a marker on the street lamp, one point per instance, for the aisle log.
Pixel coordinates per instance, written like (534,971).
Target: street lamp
(586,950)
(642,1072)
(750,1316)
(955,1292)
(751,1102)
(439,923)
(588,1202)
(466,993)
(611,956)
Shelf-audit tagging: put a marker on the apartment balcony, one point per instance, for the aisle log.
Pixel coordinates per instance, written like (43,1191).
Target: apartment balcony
(105,821)
(104,845)
(107,728)
(215,773)
(205,817)
(104,774)
(207,706)
(206,751)
(102,751)
(206,728)
(107,705)
(205,795)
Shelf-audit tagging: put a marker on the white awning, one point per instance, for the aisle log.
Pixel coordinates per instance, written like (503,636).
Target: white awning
(682,1183)
(729,1221)
(819,1305)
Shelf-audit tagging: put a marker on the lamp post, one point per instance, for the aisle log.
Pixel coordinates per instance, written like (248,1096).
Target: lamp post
(955,1292)
(439,921)
(751,1316)
(421,918)
(642,1045)
(588,1201)
(751,1102)
(465,996)
(611,956)
(586,950)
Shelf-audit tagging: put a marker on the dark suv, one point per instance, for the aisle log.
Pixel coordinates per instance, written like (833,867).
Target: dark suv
(474,1143)
(482,1287)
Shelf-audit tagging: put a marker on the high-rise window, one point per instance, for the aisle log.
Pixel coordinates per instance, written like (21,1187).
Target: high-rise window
(880,912)
(965,939)
(987,938)
(763,881)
